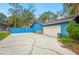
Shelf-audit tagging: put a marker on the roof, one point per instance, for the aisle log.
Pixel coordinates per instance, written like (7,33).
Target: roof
(3,24)
(66,19)
(62,20)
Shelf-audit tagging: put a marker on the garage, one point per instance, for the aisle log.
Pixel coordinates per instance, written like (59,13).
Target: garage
(54,27)
(51,30)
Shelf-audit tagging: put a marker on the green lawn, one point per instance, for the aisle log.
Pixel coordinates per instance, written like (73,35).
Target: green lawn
(4,34)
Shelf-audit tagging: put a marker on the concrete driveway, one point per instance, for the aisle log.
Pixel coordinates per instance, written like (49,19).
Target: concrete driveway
(32,44)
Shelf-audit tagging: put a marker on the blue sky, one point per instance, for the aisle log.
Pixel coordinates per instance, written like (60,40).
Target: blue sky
(40,7)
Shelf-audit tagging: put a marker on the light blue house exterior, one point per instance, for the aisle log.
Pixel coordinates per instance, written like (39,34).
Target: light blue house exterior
(37,26)
(63,23)
(64,26)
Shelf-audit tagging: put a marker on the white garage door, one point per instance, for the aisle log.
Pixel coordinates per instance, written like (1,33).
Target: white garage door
(51,30)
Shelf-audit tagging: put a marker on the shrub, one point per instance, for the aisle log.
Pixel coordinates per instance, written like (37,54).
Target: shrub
(59,35)
(73,30)
(67,41)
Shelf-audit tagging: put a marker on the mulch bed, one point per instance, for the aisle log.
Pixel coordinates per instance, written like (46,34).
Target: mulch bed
(75,48)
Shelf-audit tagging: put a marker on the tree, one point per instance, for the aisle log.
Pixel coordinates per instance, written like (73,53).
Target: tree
(2,17)
(48,15)
(15,12)
(28,17)
(73,28)
(71,8)
(20,16)
(11,21)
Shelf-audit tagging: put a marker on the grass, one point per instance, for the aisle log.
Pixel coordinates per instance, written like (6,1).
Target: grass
(4,34)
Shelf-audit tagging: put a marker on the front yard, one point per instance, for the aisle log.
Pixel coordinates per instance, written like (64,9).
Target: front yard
(4,34)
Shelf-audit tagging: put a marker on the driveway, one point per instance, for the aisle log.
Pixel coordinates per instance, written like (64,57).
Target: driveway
(32,44)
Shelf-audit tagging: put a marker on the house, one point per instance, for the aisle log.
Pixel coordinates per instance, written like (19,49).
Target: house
(47,28)
(3,27)
(55,27)
(52,28)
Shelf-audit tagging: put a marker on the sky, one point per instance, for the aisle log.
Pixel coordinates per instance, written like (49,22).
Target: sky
(40,8)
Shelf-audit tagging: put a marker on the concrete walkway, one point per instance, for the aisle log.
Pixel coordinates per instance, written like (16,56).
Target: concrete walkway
(32,44)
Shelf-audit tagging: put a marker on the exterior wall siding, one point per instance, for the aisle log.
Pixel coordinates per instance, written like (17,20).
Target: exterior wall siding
(38,27)
(64,26)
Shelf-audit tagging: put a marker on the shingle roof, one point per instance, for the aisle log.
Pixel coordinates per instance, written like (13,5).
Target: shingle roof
(66,19)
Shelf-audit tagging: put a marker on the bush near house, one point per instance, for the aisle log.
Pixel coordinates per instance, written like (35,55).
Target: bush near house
(70,44)
(66,41)
(4,34)
(72,41)
(73,30)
